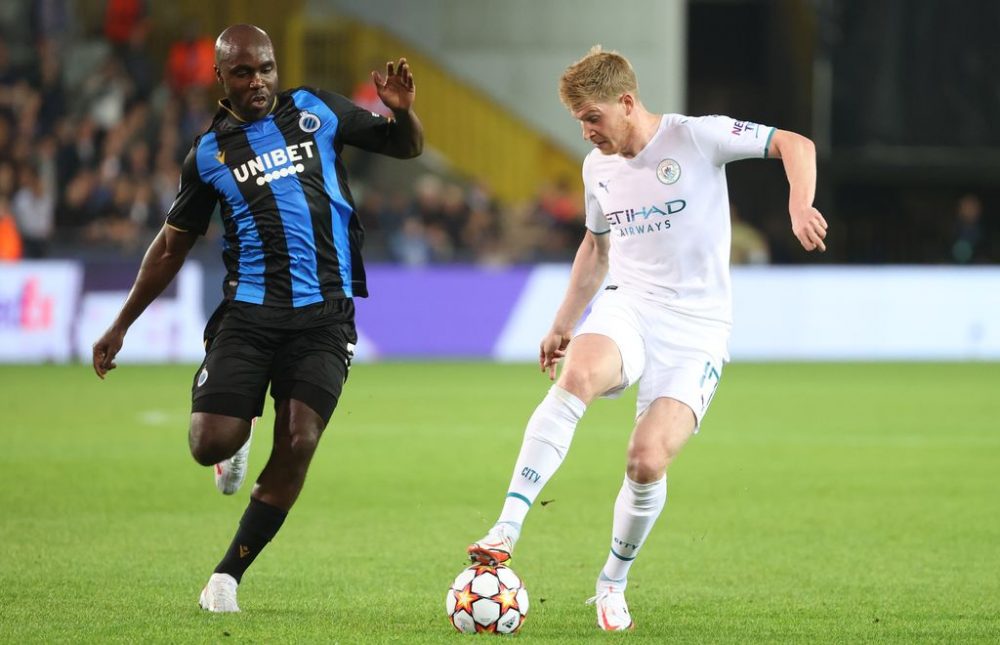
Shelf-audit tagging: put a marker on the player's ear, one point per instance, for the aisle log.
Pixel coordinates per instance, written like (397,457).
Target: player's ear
(218,74)
(628,102)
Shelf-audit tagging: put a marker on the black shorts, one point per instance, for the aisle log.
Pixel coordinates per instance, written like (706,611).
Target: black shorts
(303,353)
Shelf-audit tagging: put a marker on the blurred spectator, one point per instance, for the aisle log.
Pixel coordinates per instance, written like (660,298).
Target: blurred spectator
(106,92)
(558,204)
(5,138)
(139,125)
(165,181)
(115,226)
(8,75)
(409,245)
(10,239)
(51,93)
(138,64)
(142,208)
(110,164)
(190,62)
(381,214)
(169,135)
(560,212)
(428,195)
(481,237)
(81,201)
(429,210)
(968,241)
(122,18)
(8,178)
(85,145)
(483,234)
(749,245)
(524,233)
(34,210)
(137,162)
(51,21)
(194,116)
(454,214)
(442,250)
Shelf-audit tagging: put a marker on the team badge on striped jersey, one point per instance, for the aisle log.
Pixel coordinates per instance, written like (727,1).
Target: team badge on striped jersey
(309,122)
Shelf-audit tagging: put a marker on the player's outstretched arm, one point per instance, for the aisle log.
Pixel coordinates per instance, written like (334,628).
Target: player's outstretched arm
(161,263)
(798,154)
(397,91)
(589,268)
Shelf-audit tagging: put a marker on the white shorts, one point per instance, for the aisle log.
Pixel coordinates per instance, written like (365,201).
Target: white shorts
(668,353)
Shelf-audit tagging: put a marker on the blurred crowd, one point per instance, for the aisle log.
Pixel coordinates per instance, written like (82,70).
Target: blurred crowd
(93,131)
(440,220)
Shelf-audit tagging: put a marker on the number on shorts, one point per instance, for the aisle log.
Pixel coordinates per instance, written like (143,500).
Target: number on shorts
(709,382)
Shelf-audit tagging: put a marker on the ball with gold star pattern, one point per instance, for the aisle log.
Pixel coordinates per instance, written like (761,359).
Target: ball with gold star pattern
(487,599)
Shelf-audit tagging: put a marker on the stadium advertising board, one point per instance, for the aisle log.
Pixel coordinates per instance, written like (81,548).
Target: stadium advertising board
(170,330)
(53,311)
(38,301)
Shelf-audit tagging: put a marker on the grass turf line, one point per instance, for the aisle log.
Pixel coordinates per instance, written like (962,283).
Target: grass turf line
(821,503)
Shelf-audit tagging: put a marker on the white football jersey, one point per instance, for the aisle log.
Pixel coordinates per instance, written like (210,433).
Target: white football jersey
(667,211)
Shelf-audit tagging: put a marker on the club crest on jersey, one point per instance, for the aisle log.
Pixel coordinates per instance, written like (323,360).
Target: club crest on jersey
(203,376)
(309,122)
(668,171)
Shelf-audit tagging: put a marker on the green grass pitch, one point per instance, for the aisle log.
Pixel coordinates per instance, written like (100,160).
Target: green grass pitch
(836,503)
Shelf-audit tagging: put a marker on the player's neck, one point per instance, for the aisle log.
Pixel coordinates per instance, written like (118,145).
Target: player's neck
(645,125)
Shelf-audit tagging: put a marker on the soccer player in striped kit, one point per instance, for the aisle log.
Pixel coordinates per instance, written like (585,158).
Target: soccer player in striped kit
(272,161)
(658,227)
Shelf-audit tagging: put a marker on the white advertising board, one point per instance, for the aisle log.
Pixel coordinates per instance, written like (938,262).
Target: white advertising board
(38,302)
(821,313)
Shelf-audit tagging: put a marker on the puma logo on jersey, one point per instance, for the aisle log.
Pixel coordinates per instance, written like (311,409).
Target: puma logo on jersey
(604,185)
(275,163)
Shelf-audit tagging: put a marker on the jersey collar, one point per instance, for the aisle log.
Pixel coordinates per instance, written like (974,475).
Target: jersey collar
(225,105)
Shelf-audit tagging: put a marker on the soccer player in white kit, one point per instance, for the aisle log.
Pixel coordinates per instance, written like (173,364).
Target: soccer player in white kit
(658,227)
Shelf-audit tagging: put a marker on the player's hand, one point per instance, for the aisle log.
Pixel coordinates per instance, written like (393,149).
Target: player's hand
(809,227)
(551,351)
(397,89)
(105,350)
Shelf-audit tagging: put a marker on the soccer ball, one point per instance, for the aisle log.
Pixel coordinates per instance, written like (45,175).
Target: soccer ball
(487,599)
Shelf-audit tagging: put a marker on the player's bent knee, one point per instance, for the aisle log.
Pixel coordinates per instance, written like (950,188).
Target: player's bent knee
(208,450)
(213,438)
(648,463)
(579,382)
(206,454)
(644,470)
(304,443)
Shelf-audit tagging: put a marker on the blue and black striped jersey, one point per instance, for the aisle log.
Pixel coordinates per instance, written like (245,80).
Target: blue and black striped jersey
(292,237)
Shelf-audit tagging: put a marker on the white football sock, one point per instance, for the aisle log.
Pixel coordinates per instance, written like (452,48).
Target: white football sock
(636,510)
(546,442)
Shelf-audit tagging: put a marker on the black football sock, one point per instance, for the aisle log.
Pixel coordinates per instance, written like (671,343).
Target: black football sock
(259,524)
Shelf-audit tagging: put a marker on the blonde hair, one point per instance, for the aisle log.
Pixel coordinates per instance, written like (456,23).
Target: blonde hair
(597,77)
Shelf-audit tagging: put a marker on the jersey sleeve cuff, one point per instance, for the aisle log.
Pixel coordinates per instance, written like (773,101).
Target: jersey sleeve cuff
(767,144)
